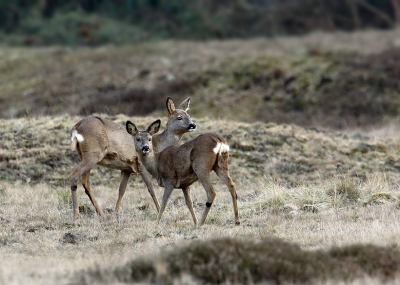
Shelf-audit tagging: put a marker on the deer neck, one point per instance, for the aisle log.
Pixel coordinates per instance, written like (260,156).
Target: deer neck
(165,139)
(149,161)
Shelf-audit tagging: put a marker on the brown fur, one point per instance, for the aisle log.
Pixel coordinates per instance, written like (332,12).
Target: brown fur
(180,166)
(108,144)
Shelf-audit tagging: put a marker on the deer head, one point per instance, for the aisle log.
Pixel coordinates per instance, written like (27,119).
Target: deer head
(178,119)
(143,139)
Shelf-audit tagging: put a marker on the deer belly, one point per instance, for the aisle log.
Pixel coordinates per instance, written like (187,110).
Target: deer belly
(114,164)
(186,181)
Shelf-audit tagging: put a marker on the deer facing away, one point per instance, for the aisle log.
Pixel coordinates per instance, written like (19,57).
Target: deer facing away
(180,166)
(99,141)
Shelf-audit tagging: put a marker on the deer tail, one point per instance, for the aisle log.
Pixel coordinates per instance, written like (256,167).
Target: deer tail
(223,155)
(74,143)
(75,138)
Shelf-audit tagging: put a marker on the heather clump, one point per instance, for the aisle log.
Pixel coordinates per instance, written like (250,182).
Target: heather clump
(271,260)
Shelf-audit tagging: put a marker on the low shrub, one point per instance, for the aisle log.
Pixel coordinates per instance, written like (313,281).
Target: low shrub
(270,260)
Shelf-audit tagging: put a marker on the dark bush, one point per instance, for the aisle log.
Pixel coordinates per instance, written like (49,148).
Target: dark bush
(94,21)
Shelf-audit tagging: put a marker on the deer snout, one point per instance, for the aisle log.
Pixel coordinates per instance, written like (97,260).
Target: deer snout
(192,127)
(145,149)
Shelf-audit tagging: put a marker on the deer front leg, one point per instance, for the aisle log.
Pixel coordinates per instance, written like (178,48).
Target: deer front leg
(146,176)
(122,187)
(189,203)
(167,192)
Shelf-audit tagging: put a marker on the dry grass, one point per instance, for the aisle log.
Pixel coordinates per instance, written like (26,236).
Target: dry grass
(43,243)
(38,149)
(302,80)
(313,187)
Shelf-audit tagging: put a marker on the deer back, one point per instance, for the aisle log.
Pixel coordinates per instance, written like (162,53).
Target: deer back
(120,142)
(181,163)
(97,136)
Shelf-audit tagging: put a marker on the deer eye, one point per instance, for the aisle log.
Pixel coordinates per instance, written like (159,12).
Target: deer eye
(179,118)
(138,139)
(149,140)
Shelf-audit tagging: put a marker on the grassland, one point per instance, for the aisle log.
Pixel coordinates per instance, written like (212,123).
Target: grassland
(336,80)
(329,197)
(313,187)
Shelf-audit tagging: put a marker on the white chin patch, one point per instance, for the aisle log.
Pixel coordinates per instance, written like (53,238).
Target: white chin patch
(145,151)
(191,130)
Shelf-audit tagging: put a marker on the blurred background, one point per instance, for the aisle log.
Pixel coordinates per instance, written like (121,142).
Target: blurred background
(96,22)
(329,63)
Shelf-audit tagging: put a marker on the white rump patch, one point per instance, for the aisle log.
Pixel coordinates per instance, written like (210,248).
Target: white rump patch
(75,134)
(224,147)
(216,149)
(221,147)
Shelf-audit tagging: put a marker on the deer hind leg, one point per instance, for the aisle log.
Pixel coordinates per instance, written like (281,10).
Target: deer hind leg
(86,185)
(167,192)
(224,175)
(146,176)
(189,203)
(122,187)
(73,179)
(85,166)
(205,181)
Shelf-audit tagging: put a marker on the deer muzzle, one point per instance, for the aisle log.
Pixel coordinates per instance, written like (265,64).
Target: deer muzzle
(192,127)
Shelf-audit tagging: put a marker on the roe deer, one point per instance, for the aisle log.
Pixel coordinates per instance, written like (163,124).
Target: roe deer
(180,166)
(99,141)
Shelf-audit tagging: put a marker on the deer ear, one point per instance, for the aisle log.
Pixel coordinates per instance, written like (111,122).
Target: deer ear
(185,104)
(131,128)
(170,106)
(154,127)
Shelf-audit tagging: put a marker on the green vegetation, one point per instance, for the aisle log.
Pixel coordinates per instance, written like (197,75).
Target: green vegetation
(95,22)
(75,28)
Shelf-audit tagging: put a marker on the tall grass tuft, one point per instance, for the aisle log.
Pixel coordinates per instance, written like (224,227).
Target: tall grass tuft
(64,198)
(273,195)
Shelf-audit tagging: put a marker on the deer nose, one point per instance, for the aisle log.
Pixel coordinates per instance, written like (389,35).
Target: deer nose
(145,149)
(192,127)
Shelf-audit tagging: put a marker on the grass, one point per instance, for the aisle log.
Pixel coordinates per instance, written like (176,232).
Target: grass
(43,242)
(317,210)
(64,198)
(320,193)
(336,80)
